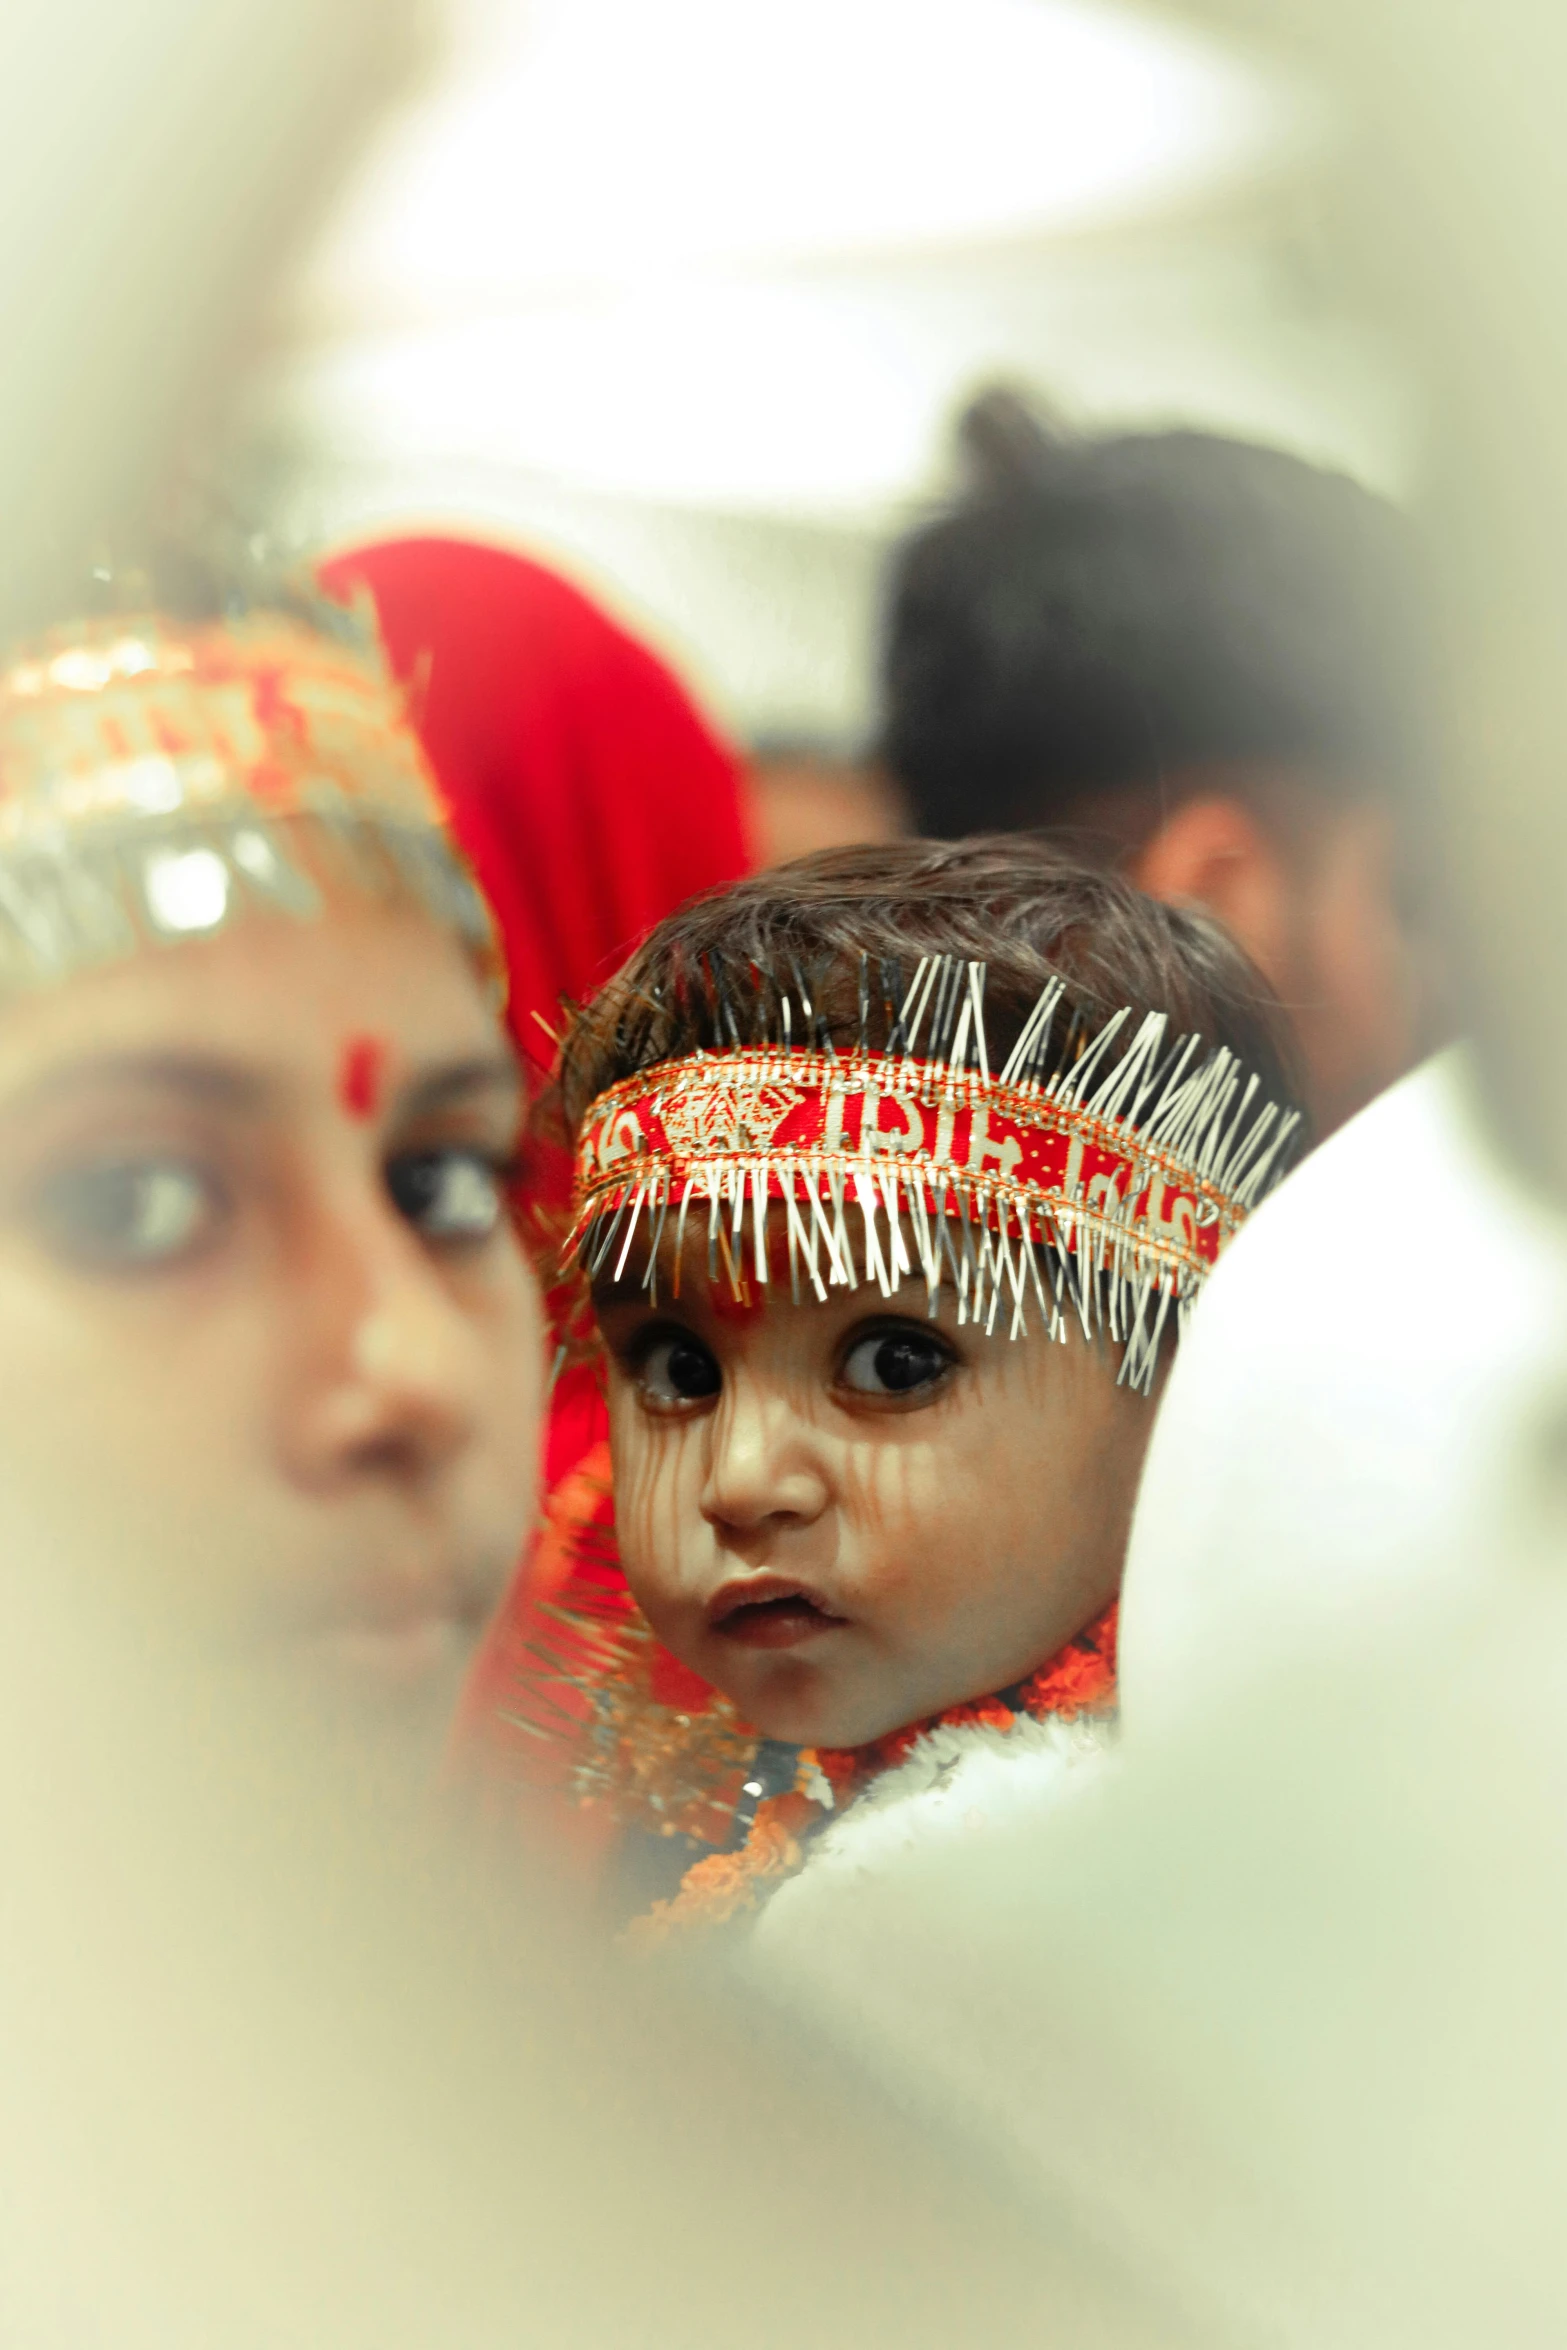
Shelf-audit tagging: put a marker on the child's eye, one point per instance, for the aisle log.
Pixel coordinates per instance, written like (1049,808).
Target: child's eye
(894,1362)
(447,1195)
(129,1214)
(677,1370)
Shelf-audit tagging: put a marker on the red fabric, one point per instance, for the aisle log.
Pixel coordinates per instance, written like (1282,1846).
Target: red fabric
(592,799)
(589,794)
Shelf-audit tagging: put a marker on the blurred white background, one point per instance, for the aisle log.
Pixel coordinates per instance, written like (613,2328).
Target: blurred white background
(686,297)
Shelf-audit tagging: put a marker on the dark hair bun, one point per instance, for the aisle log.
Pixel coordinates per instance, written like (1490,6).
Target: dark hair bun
(1008,442)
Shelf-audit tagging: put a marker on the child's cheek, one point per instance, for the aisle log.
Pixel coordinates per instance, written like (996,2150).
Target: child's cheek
(658,1471)
(896,1500)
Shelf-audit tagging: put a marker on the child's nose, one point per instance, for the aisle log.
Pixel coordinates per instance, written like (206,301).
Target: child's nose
(761,1466)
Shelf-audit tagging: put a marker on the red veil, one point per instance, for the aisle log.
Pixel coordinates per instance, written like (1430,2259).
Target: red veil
(588,792)
(592,799)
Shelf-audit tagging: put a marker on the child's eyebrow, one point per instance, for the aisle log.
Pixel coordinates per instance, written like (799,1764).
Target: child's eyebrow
(630,1286)
(629,1290)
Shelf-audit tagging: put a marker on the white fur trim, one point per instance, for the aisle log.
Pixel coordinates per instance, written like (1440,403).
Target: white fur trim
(954,1785)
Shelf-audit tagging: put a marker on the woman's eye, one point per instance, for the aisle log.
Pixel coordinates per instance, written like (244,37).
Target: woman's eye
(447,1194)
(130,1213)
(894,1362)
(676,1371)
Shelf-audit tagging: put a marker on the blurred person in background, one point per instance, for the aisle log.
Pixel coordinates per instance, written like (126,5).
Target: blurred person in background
(814,793)
(1206,662)
(272,1345)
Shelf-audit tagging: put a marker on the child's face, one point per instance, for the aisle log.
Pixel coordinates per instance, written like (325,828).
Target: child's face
(848,1516)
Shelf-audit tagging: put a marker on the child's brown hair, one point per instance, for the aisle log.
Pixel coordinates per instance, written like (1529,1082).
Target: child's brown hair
(836,937)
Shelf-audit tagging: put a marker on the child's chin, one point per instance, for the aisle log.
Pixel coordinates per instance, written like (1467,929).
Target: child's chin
(819,1716)
(792,1706)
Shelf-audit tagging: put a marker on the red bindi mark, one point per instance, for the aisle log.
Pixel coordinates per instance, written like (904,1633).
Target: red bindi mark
(359,1075)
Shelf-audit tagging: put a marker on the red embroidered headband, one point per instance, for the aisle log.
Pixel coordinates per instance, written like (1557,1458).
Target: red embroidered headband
(1107,1186)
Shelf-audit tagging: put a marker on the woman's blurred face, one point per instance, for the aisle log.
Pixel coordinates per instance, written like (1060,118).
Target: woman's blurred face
(269,1350)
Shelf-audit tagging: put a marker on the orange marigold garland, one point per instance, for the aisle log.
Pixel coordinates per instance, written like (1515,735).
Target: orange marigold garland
(1078,1679)
(726,1885)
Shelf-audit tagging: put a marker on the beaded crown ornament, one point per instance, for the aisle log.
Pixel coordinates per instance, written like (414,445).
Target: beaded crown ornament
(1097,1173)
(158,779)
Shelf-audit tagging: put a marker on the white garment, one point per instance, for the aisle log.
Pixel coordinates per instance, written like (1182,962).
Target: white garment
(1276,2004)
(956,1786)
(1345,1403)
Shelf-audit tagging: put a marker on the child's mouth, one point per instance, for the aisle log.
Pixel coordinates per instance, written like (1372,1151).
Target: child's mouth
(778,1617)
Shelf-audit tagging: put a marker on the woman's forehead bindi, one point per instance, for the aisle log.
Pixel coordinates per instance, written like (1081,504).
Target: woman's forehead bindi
(361,1076)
